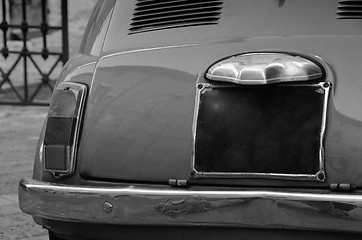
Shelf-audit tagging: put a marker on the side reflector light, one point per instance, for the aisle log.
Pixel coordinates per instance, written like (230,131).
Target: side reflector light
(264,68)
(62,130)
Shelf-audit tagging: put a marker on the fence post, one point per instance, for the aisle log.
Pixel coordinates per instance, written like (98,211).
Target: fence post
(65,41)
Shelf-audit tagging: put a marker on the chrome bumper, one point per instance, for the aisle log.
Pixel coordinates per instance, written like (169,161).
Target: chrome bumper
(162,205)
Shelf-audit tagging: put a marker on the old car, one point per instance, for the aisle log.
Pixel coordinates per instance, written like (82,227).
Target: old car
(206,119)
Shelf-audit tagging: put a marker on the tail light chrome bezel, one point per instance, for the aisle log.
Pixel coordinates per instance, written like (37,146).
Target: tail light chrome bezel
(79,91)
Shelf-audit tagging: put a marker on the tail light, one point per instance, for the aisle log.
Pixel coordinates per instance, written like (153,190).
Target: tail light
(62,130)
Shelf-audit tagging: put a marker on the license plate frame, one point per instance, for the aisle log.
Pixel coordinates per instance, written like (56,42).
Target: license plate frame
(319,175)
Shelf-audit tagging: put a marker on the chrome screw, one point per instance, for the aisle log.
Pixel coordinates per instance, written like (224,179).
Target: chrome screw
(321,176)
(107,207)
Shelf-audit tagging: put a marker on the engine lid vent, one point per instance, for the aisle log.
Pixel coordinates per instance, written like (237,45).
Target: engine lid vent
(348,9)
(151,15)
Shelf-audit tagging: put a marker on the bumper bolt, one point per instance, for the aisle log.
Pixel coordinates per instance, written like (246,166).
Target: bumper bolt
(107,207)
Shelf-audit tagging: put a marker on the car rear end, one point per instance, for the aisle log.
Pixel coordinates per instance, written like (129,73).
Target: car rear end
(206,119)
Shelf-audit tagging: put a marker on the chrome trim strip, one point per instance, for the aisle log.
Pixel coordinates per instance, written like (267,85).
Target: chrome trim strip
(319,176)
(150,49)
(165,205)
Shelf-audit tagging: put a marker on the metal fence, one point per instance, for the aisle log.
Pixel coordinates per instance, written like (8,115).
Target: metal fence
(26,93)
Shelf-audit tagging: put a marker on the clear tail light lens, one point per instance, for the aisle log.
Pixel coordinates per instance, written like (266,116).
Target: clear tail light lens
(62,130)
(264,68)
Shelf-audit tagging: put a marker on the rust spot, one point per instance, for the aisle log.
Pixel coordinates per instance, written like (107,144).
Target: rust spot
(175,207)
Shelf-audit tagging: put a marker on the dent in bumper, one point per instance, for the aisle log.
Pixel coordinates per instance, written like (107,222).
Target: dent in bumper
(162,205)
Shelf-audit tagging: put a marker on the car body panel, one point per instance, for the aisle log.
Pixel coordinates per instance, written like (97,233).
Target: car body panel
(161,131)
(96,30)
(240,20)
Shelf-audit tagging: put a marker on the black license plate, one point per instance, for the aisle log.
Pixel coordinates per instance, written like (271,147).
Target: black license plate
(273,131)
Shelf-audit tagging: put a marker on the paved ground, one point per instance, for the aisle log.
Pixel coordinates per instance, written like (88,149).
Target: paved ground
(19,130)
